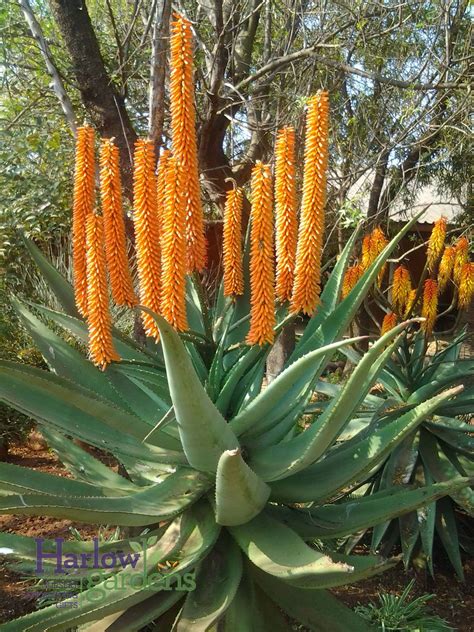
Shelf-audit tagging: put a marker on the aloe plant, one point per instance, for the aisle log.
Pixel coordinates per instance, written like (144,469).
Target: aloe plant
(218,479)
(438,450)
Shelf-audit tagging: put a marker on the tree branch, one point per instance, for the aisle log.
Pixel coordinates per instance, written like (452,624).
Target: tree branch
(281,62)
(58,86)
(158,72)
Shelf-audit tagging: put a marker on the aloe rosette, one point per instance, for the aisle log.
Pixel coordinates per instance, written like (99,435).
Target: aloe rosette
(218,476)
(440,449)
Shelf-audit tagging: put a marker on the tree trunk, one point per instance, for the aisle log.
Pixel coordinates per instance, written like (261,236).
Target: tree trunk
(101,99)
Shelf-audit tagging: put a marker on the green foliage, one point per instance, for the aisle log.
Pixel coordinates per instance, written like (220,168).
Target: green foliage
(397,613)
(440,449)
(208,486)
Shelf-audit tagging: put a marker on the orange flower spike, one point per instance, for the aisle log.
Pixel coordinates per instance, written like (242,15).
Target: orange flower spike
(366,252)
(460,258)
(114,225)
(147,231)
(378,241)
(262,295)
(310,238)
(351,277)
(430,305)
(388,323)
(286,223)
(446,267)
(233,271)
(401,288)
(466,285)
(160,184)
(183,133)
(436,243)
(173,248)
(83,206)
(101,348)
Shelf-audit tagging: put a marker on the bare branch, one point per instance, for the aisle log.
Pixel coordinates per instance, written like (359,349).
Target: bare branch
(57,83)
(281,62)
(158,71)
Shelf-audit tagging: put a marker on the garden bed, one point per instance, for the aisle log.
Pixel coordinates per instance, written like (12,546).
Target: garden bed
(452,601)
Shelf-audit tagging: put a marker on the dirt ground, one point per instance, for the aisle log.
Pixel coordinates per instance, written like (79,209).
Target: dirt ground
(452,601)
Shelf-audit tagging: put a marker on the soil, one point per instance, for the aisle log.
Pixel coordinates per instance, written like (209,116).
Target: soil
(452,598)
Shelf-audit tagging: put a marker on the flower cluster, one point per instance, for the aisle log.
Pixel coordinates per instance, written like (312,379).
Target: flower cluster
(168,223)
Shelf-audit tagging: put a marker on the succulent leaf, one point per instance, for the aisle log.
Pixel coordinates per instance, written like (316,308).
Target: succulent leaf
(315,608)
(240,493)
(346,465)
(154,504)
(217,582)
(204,433)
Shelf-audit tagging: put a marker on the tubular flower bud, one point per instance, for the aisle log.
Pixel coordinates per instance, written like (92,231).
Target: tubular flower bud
(310,238)
(446,267)
(460,258)
(378,241)
(401,288)
(410,302)
(286,224)
(101,348)
(262,295)
(161,184)
(436,243)
(183,133)
(233,272)
(430,305)
(351,277)
(114,225)
(173,246)
(83,206)
(147,231)
(388,323)
(466,285)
